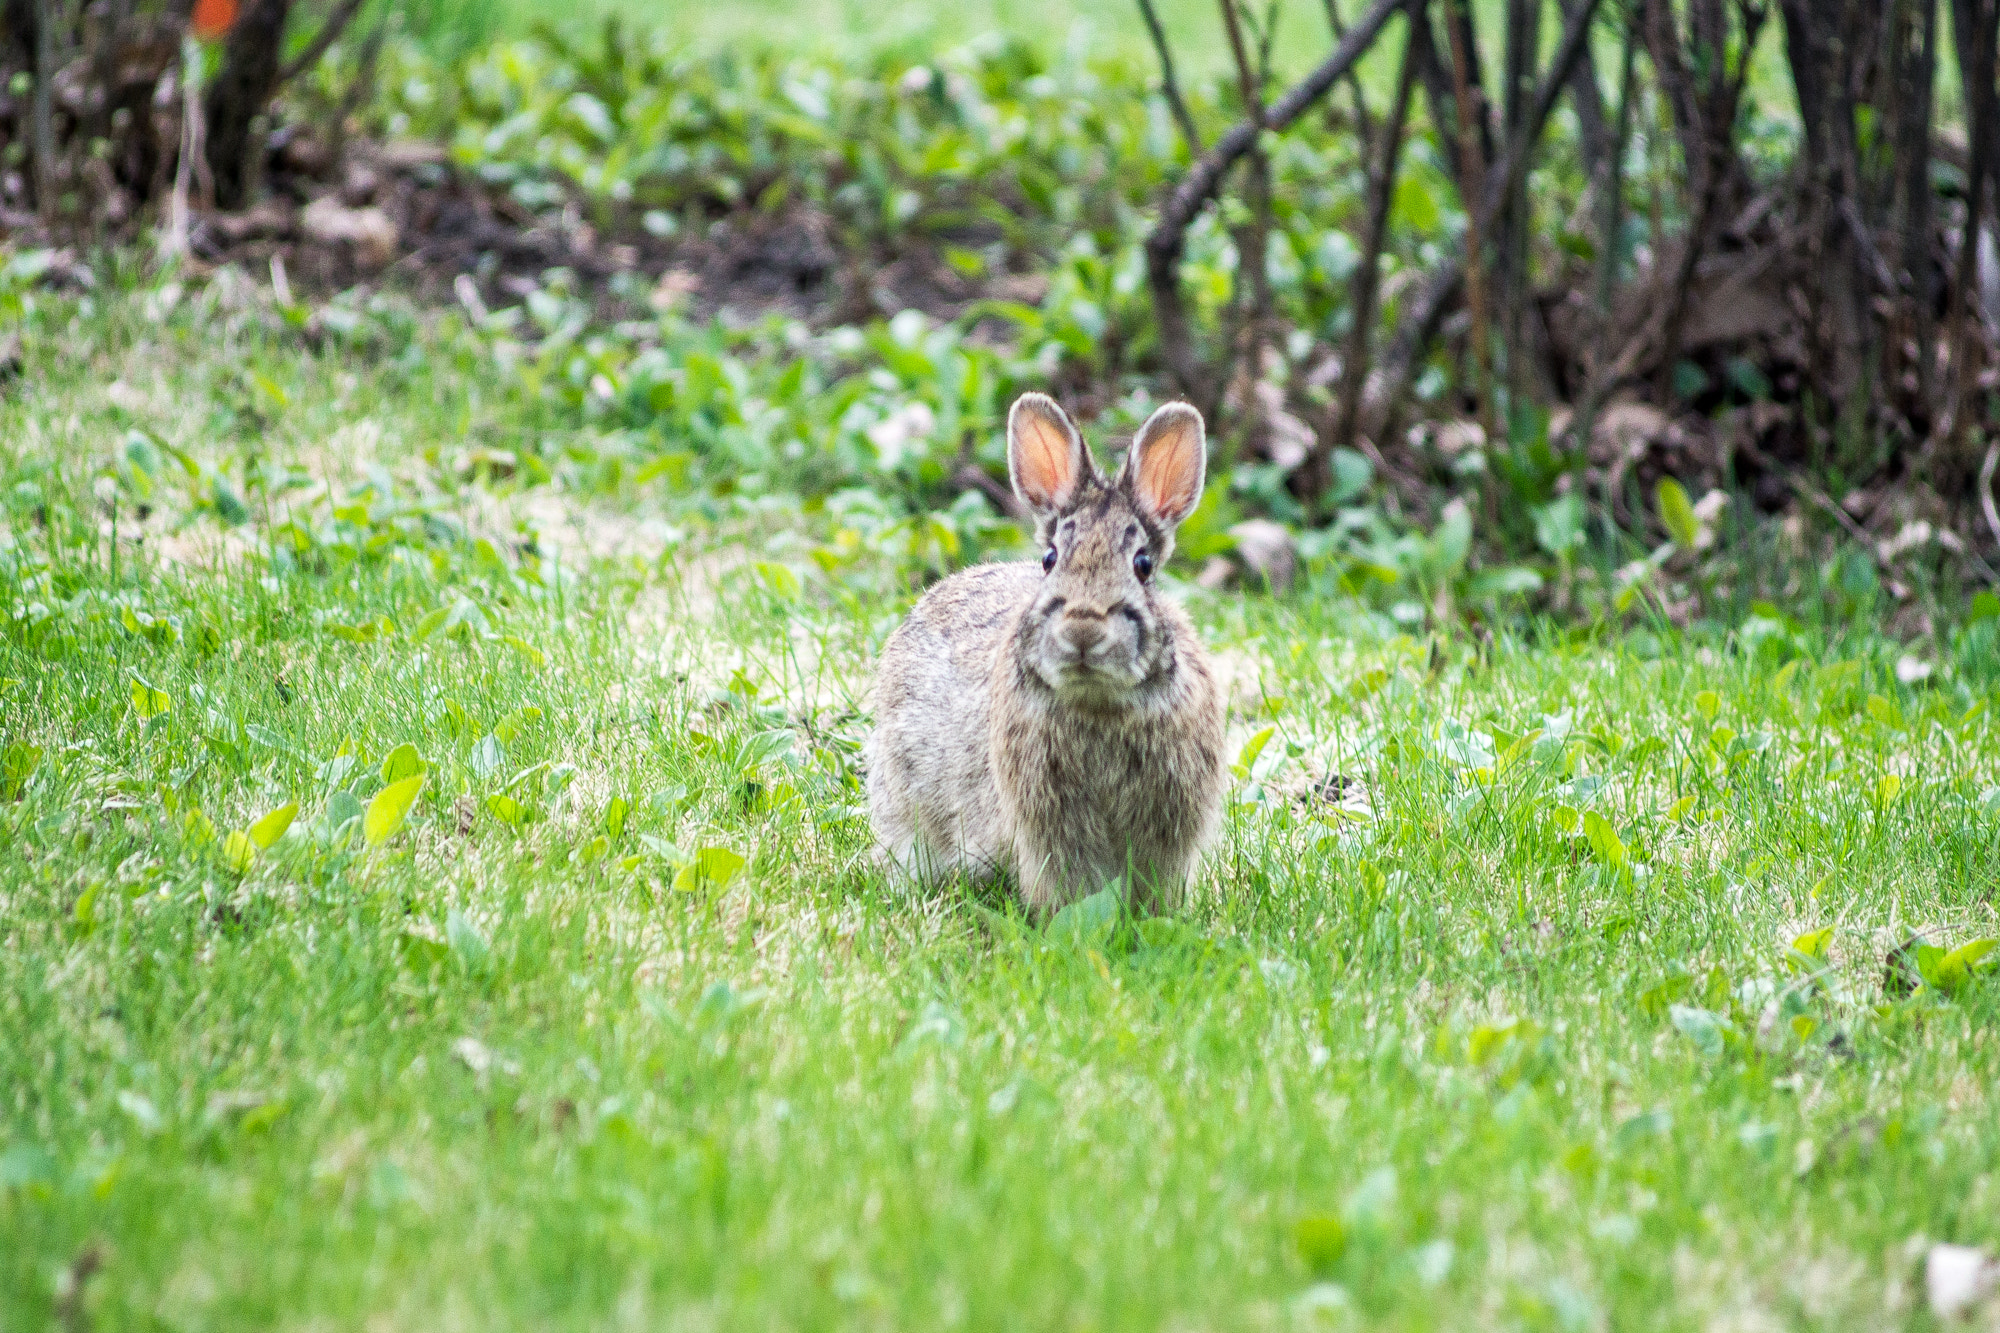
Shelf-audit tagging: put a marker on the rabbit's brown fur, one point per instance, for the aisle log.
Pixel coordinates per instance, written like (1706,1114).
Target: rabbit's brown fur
(1065,726)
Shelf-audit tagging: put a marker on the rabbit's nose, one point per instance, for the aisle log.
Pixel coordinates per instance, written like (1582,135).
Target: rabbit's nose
(1083,634)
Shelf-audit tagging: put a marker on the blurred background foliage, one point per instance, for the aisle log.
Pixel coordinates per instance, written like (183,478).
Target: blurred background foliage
(812,250)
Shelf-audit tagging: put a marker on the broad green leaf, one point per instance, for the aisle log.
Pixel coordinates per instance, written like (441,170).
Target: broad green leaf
(466,941)
(780,579)
(1814,944)
(614,816)
(1656,999)
(1951,972)
(1485,1041)
(402,762)
(1604,839)
(663,849)
(1971,952)
(1677,514)
(935,1026)
(270,739)
(1089,921)
(238,851)
(714,866)
(1251,749)
(510,726)
(534,655)
(342,809)
(1367,683)
(1887,789)
(271,827)
(1505,581)
(488,756)
(1708,703)
(389,809)
(1321,1239)
(1414,207)
(1701,1027)
(148,700)
(507,810)
(721,1002)
(85,912)
(19,765)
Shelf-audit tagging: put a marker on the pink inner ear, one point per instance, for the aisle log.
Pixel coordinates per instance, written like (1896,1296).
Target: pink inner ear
(1168,478)
(1043,461)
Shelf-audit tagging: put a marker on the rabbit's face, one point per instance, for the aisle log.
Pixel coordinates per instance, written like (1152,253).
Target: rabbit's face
(1094,631)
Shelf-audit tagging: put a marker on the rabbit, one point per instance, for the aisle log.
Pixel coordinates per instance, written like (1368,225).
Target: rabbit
(1057,718)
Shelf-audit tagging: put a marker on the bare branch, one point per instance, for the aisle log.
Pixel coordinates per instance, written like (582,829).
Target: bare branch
(1361,117)
(1253,238)
(41,113)
(1426,313)
(1472,170)
(1585,418)
(1205,177)
(1986,489)
(1169,86)
(1718,146)
(1169,235)
(329,33)
(1368,276)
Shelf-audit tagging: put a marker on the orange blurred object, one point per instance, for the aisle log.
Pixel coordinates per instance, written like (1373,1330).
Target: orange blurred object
(212,18)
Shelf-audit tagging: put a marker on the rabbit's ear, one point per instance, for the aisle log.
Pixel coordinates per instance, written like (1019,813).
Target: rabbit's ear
(1168,464)
(1045,454)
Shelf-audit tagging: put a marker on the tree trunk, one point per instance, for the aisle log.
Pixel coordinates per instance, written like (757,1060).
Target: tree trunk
(43,112)
(1593,129)
(17,34)
(241,92)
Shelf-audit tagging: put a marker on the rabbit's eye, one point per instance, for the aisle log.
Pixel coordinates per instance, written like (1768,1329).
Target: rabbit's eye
(1142,565)
(1049,560)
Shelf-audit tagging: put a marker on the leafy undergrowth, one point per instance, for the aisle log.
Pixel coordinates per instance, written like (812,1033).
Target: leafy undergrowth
(435,888)
(772,274)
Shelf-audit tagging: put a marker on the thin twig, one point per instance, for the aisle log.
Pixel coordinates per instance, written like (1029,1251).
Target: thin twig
(1986,490)
(1805,490)
(361,89)
(329,33)
(1169,86)
(1363,121)
(1472,170)
(1613,203)
(1975,22)
(1426,313)
(1253,239)
(1205,177)
(1179,208)
(1717,146)
(175,243)
(1367,277)
(42,111)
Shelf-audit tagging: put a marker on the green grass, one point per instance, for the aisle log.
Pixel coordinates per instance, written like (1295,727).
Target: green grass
(1524,1048)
